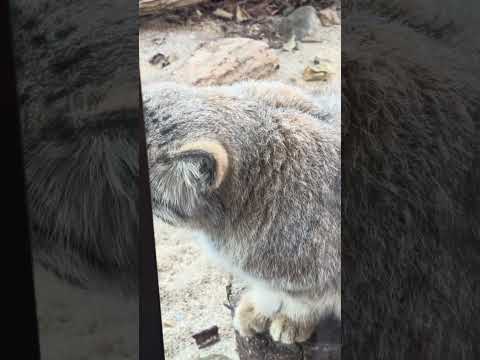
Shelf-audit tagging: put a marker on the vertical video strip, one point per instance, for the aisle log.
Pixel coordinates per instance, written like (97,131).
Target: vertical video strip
(25,311)
(242,120)
(150,331)
(77,83)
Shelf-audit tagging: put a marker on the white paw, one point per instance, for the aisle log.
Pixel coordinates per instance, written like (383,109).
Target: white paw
(247,320)
(288,331)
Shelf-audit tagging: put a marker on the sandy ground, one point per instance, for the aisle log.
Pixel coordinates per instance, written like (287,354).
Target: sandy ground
(192,294)
(179,42)
(192,288)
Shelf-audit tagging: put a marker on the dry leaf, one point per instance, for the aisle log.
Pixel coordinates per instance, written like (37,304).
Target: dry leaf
(241,15)
(168,324)
(321,72)
(223,14)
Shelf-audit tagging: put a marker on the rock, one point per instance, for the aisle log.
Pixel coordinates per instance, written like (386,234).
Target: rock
(329,16)
(160,59)
(207,337)
(225,61)
(303,23)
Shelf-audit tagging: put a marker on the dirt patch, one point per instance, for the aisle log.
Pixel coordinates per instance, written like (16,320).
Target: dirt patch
(193,293)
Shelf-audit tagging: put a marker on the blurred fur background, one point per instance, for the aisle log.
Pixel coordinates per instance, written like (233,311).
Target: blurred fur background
(410,201)
(78,86)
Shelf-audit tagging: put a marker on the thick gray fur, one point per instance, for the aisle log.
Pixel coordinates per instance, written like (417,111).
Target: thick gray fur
(80,134)
(410,179)
(275,217)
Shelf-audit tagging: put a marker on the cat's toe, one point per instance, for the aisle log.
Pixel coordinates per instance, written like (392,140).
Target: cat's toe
(248,321)
(287,331)
(282,330)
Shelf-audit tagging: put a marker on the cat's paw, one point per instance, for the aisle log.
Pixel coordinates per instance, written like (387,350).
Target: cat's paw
(247,320)
(287,331)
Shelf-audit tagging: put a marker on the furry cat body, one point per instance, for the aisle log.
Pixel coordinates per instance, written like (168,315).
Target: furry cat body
(269,204)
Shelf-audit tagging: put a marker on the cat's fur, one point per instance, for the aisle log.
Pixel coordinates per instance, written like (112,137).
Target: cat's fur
(410,180)
(255,168)
(79,107)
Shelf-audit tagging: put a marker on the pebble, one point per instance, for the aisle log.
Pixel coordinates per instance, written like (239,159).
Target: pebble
(303,23)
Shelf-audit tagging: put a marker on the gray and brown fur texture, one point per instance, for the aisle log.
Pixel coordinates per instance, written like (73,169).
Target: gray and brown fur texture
(410,180)
(77,84)
(255,169)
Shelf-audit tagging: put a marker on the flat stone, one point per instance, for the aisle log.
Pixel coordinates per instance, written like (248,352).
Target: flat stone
(225,61)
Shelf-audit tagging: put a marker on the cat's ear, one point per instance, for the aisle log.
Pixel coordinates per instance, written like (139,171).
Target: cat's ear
(201,164)
(183,182)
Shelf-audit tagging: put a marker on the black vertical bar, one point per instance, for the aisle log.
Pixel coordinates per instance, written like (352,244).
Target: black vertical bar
(25,333)
(151,335)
